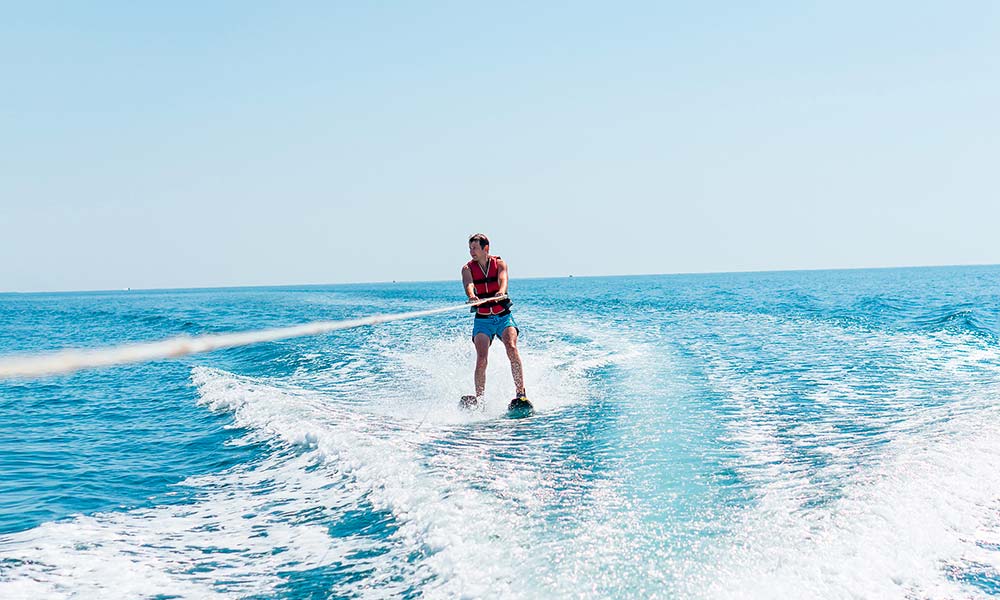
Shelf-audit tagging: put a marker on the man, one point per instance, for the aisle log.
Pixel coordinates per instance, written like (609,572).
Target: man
(485,276)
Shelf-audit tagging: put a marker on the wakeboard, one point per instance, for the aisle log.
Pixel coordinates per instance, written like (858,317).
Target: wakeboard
(469,402)
(520,408)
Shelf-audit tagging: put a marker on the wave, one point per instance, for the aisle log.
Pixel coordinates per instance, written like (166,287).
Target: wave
(861,481)
(883,305)
(352,488)
(955,318)
(326,461)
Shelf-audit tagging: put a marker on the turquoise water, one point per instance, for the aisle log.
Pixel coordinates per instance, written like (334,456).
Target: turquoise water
(804,434)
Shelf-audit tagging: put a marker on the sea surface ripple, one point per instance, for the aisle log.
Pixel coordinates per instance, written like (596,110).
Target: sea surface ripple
(823,434)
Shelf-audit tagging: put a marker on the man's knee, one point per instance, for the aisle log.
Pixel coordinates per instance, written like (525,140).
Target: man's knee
(482,342)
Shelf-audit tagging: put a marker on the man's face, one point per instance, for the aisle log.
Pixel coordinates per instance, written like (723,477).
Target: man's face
(478,253)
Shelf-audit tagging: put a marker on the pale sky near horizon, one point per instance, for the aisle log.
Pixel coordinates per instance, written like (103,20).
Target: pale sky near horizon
(211,144)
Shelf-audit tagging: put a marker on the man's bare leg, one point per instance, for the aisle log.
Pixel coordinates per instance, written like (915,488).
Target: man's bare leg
(509,338)
(482,342)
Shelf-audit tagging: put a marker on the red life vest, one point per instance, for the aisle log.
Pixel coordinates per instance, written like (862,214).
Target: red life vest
(487,285)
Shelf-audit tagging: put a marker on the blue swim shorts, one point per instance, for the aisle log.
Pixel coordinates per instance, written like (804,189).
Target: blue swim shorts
(493,325)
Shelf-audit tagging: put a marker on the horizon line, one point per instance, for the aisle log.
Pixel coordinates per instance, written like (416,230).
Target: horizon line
(677,273)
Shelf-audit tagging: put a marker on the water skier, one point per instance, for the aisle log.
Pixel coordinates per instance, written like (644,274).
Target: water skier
(485,276)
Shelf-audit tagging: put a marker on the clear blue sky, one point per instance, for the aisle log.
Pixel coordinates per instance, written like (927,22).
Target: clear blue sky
(210,144)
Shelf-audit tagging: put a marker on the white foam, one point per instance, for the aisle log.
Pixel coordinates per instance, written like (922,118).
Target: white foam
(231,542)
(905,516)
(422,372)
(472,539)
(895,532)
(465,515)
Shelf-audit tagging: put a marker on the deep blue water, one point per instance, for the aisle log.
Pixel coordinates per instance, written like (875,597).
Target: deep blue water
(790,434)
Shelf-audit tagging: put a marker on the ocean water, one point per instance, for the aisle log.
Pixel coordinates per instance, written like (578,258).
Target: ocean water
(827,434)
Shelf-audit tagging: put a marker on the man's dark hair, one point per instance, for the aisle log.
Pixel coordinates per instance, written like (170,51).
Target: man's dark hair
(481,238)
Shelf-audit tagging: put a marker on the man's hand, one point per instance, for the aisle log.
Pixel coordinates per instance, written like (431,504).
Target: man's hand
(472,300)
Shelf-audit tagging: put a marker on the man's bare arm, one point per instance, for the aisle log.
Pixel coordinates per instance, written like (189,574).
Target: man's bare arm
(470,288)
(502,277)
